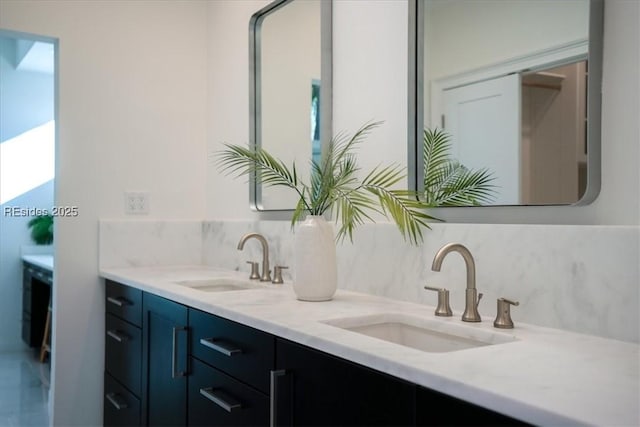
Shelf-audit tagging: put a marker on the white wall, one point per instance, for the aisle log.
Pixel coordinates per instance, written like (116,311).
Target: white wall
(228,101)
(464,35)
(131,116)
(370,45)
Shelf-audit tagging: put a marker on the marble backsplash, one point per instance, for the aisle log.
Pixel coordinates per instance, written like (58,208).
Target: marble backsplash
(580,278)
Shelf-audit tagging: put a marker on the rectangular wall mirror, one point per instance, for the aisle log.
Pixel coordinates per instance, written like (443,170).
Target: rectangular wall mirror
(515,84)
(290,89)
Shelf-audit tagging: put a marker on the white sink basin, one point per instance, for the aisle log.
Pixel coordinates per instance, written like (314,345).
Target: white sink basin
(220,284)
(425,334)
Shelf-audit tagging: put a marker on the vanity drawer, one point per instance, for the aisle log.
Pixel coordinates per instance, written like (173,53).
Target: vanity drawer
(121,408)
(240,351)
(123,352)
(216,399)
(124,302)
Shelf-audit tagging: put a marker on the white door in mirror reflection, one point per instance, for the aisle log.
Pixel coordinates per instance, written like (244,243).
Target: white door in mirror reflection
(483,120)
(529,129)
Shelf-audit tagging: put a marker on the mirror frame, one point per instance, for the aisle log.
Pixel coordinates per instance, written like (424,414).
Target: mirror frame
(255,84)
(415,166)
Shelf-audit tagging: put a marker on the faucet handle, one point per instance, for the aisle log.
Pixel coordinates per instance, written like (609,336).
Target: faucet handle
(254,270)
(443,309)
(277,273)
(503,316)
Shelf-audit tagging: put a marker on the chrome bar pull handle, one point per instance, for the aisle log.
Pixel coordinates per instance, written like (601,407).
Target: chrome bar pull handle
(273,395)
(119,301)
(116,401)
(220,347)
(174,353)
(221,399)
(116,336)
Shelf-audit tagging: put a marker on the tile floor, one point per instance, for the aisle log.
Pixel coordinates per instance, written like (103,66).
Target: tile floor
(24,390)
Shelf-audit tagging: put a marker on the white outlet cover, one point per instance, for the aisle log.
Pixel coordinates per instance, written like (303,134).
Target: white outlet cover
(136,203)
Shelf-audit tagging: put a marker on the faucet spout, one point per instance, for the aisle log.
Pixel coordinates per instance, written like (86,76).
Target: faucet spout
(266,272)
(472,299)
(466,255)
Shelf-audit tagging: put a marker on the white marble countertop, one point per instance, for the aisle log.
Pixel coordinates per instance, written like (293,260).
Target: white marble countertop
(43,260)
(545,377)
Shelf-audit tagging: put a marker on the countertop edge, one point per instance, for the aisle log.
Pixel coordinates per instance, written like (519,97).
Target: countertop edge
(42,261)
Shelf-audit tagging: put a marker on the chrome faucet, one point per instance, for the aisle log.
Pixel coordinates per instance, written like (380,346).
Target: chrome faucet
(471,298)
(266,273)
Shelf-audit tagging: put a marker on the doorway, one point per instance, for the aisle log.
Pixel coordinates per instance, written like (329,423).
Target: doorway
(28,82)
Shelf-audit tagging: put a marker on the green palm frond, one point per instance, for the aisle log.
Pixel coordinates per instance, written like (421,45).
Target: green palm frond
(334,183)
(436,148)
(342,145)
(238,161)
(351,210)
(407,212)
(458,186)
(449,183)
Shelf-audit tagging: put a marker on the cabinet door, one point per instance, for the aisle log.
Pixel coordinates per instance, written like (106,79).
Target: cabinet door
(123,352)
(165,362)
(121,407)
(26,309)
(240,351)
(314,388)
(437,409)
(216,399)
(35,301)
(124,302)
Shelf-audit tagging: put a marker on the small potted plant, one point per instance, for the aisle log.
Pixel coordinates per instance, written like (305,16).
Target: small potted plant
(41,229)
(334,185)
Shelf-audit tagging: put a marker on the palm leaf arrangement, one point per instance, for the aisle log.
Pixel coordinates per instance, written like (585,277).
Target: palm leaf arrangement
(335,184)
(447,182)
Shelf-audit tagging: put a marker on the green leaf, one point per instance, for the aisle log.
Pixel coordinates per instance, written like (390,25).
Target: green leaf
(238,161)
(436,146)
(41,229)
(405,210)
(449,183)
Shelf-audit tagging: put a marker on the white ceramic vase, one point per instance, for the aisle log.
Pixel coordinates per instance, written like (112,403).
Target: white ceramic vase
(316,277)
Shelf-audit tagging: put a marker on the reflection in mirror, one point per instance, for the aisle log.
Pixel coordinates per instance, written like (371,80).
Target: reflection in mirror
(515,83)
(287,91)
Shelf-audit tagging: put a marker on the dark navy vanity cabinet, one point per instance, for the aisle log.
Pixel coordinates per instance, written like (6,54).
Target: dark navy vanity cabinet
(312,388)
(230,376)
(36,291)
(123,355)
(169,364)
